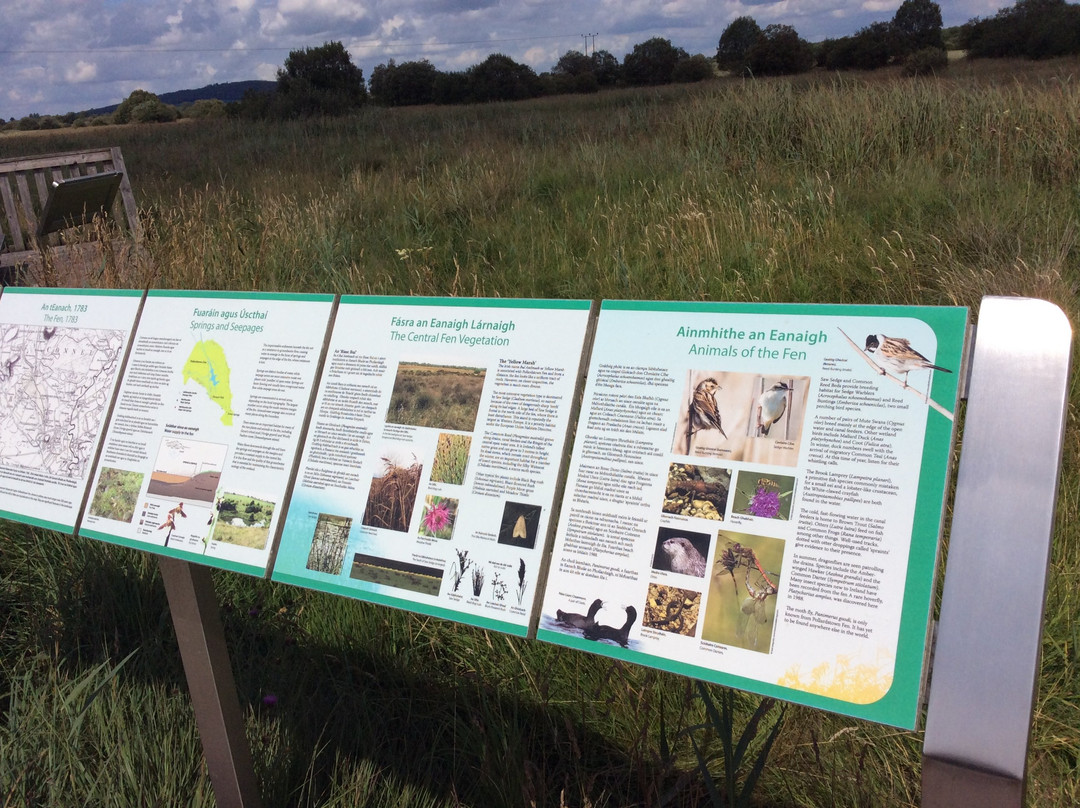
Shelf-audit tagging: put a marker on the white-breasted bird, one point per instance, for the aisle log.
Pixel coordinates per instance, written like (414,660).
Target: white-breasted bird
(771,406)
(895,355)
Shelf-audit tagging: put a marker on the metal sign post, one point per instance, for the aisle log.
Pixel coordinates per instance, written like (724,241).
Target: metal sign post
(982,697)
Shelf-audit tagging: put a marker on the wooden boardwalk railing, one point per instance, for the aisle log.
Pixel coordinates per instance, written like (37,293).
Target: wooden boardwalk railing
(71,256)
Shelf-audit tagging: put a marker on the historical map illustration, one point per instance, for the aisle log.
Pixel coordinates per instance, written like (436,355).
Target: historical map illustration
(55,385)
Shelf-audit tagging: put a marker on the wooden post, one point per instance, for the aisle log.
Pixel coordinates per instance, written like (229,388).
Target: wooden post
(201,638)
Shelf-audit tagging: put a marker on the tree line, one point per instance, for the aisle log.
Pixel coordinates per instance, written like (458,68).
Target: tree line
(324,81)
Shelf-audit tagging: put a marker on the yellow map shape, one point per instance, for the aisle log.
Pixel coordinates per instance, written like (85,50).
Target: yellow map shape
(207,366)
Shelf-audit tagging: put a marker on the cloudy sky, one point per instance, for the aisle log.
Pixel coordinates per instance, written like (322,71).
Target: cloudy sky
(59,56)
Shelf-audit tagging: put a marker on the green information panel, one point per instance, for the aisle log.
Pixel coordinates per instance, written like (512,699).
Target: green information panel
(755,497)
(197,458)
(431,464)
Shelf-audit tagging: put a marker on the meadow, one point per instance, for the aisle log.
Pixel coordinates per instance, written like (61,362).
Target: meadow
(436,396)
(840,189)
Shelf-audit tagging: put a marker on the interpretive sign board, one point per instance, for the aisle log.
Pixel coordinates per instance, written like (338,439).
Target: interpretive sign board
(60,356)
(198,454)
(431,464)
(755,497)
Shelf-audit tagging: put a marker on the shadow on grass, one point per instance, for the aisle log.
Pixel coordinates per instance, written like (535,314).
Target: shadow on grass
(332,686)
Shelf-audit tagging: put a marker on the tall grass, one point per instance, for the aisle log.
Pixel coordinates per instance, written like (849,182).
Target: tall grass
(826,190)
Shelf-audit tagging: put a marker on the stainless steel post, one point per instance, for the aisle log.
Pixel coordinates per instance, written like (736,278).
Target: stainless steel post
(986,663)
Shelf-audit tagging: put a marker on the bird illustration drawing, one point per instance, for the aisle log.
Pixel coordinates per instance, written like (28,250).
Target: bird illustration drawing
(575,620)
(895,355)
(703,412)
(170,517)
(771,406)
(599,631)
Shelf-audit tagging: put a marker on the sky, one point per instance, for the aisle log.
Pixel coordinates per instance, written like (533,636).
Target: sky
(60,56)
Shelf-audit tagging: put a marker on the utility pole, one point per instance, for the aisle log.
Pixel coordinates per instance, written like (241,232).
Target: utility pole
(586,38)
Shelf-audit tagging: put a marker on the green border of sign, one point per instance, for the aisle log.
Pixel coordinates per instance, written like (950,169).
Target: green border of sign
(401,603)
(901,706)
(47,290)
(182,555)
(466,302)
(228,295)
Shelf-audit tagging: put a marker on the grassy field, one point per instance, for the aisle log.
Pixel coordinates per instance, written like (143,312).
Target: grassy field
(116,494)
(824,189)
(436,396)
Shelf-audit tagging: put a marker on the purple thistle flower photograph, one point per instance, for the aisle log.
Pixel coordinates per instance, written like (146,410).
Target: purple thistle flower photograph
(767,497)
(764,503)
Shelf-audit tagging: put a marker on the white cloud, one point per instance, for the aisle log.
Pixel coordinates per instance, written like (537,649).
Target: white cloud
(540,58)
(335,9)
(82,71)
(391,26)
(266,72)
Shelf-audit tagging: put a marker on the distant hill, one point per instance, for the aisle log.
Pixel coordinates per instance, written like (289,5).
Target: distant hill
(227,92)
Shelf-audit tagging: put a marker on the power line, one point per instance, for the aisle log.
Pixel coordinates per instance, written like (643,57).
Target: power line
(369,43)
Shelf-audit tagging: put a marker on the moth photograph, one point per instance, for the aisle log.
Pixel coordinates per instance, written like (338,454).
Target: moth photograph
(520,524)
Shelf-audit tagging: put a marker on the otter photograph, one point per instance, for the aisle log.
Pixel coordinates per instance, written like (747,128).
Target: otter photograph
(681,551)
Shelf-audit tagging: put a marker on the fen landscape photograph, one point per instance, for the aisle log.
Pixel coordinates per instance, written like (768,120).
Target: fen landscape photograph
(903,159)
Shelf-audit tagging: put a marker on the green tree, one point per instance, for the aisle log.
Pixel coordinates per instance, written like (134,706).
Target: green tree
(926,62)
(451,88)
(917,25)
(1036,29)
(779,52)
(870,48)
(696,68)
(606,68)
(575,73)
(122,114)
(320,81)
(500,78)
(733,51)
(154,110)
(206,108)
(405,84)
(652,62)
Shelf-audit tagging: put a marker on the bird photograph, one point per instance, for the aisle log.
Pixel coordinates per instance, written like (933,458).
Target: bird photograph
(771,406)
(895,355)
(703,410)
